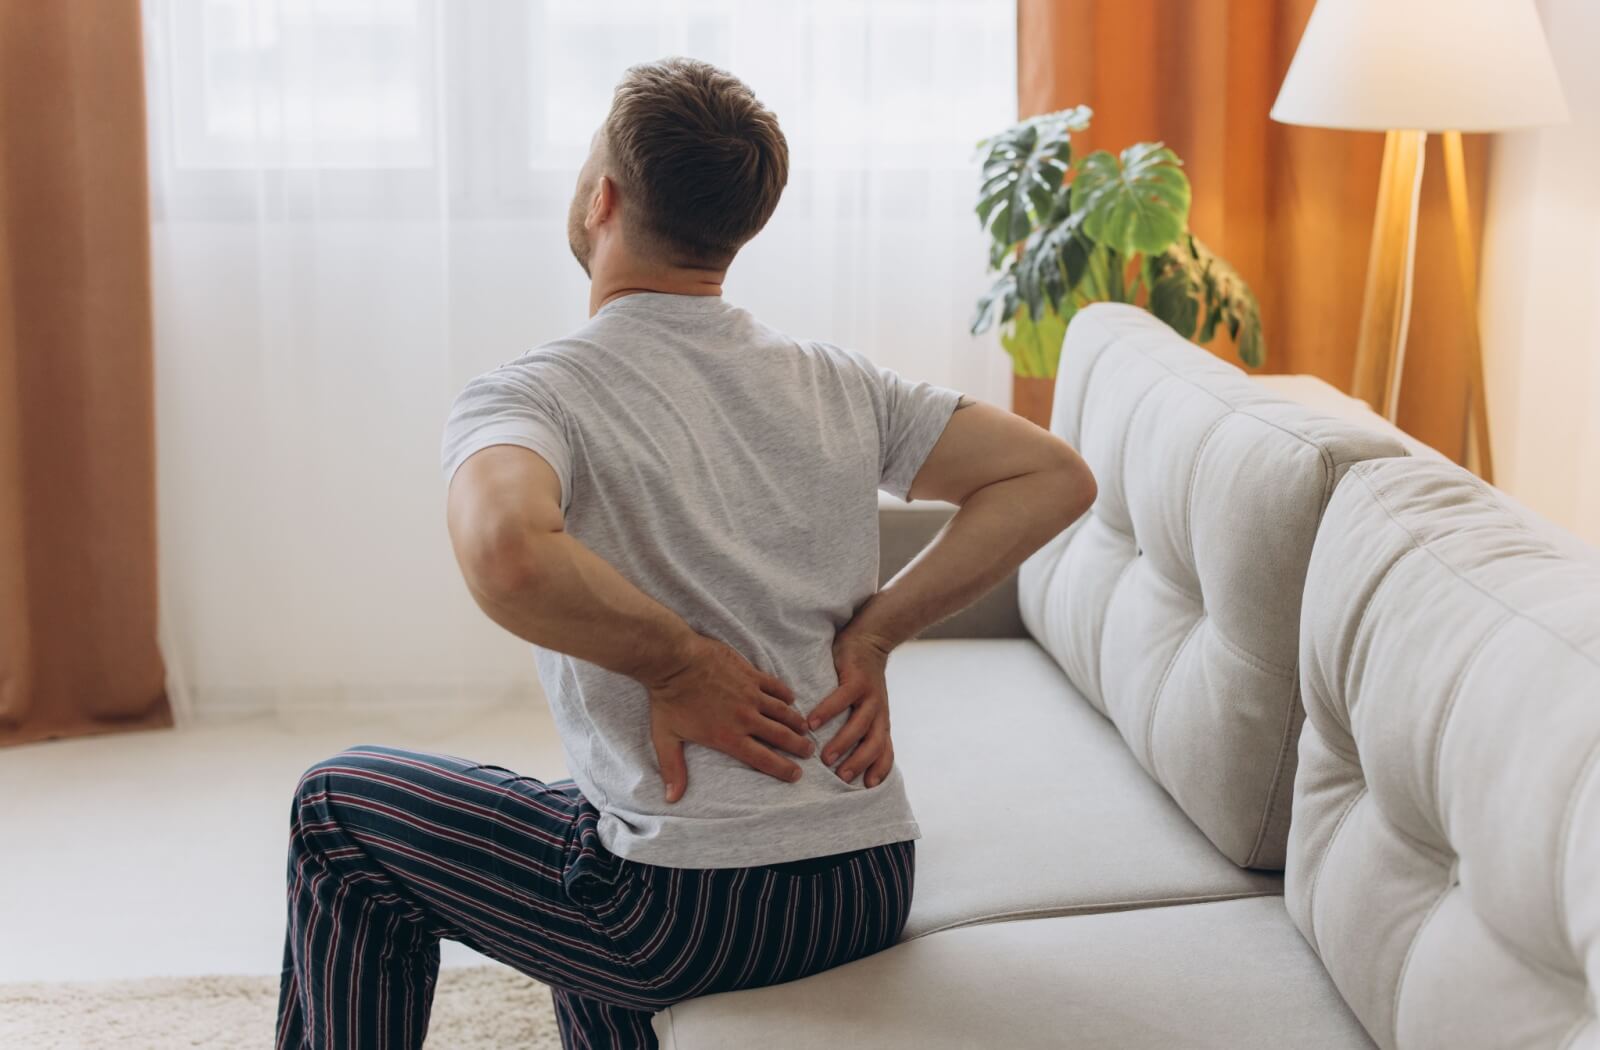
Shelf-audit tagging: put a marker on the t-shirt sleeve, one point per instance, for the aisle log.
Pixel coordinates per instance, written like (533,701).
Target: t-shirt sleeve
(509,406)
(912,414)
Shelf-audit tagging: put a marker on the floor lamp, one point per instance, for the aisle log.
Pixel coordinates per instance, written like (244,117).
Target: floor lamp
(1409,68)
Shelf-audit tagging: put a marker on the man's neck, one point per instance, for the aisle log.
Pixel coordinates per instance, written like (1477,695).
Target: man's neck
(605,288)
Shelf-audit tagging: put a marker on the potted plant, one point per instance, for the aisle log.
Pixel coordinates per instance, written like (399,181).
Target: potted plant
(1065,232)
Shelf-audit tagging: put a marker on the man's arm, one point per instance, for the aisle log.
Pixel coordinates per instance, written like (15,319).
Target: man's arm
(1016,486)
(504,515)
(539,583)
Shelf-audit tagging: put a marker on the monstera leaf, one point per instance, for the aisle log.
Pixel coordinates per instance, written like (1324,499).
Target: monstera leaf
(1042,279)
(1052,263)
(1172,299)
(1000,299)
(1140,204)
(1195,292)
(1023,172)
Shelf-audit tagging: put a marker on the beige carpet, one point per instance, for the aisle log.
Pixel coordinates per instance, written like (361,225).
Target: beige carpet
(475,1008)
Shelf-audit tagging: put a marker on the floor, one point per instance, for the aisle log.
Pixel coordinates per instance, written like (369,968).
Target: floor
(162,853)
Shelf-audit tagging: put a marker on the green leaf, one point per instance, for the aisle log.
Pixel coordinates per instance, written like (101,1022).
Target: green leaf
(1223,297)
(1024,170)
(993,301)
(1051,264)
(1035,346)
(998,251)
(1075,260)
(1252,347)
(1172,300)
(1137,204)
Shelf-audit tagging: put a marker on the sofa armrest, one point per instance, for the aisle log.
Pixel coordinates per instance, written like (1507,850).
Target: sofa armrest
(903,530)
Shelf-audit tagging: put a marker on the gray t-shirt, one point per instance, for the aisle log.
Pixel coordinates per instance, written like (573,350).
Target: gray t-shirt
(731,473)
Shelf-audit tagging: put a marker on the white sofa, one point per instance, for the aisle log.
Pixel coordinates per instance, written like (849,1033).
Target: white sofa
(1278,642)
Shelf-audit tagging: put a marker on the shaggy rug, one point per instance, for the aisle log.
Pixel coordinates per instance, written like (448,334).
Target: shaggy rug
(474,1008)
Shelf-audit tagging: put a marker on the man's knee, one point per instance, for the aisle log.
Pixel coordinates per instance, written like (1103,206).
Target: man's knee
(357,760)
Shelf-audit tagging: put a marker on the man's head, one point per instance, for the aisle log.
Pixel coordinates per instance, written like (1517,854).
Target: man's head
(687,167)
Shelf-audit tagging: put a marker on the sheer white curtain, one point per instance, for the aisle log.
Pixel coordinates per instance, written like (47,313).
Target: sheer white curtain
(360,204)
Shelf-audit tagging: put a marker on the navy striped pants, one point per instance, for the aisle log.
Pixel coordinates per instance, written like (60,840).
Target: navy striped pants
(392,850)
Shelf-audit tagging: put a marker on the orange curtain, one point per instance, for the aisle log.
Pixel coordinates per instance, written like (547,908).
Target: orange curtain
(1290,207)
(78,649)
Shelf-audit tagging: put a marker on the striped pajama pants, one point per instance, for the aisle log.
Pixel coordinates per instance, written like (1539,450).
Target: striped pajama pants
(392,850)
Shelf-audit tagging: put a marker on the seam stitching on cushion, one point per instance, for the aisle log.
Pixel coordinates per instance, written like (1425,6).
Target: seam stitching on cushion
(1467,667)
(1122,467)
(1155,702)
(1322,860)
(1351,757)
(1109,907)
(1366,610)
(1174,585)
(1100,642)
(1459,575)
(1521,955)
(1194,474)
(1120,532)
(1277,775)
(1088,378)
(1250,658)
(1122,453)
(1330,475)
(1443,857)
(1568,832)
(1405,964)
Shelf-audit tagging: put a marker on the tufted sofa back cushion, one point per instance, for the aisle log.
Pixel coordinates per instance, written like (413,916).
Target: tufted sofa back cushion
(1445,854)
(1174,604)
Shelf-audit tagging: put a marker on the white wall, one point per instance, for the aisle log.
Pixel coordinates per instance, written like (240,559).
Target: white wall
(1540,299)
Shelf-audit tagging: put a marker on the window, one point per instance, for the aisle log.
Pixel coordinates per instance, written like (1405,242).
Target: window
(302,83)
(359,204)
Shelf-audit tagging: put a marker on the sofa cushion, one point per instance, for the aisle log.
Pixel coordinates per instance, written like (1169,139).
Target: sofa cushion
(1445,854)
(1174,604)
(1232,975)
(1029,803)
(1314,393)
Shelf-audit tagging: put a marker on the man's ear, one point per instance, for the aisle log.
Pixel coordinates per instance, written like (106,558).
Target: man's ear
(602,204)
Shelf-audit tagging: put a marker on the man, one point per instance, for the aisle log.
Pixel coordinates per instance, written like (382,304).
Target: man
(677,506)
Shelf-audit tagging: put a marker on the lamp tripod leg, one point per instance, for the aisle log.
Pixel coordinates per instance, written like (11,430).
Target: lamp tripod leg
(1386,302)
(1455,172)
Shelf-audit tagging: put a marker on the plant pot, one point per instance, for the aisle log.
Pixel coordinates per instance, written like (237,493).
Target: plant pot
(1031,398)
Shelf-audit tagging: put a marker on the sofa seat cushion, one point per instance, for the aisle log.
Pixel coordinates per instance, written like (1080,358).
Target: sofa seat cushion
(1174,604)
(1445,854)
(1028,800)
(1228,974)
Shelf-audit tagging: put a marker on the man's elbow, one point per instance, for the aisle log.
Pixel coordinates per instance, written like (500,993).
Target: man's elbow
(1071,487)
(500,565)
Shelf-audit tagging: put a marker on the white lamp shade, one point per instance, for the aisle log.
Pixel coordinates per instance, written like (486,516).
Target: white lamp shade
(1426,65)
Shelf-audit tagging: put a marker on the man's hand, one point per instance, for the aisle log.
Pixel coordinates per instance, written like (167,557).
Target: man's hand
(718,698)
(861,661)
